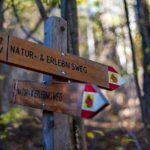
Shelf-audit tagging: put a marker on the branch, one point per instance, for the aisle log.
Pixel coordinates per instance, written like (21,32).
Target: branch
(21,26)
(1,14)
(133,51)
(38,24)
(41,9)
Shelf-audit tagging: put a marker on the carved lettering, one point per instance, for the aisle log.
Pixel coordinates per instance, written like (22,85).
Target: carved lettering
(21,51)
(55,96)
(65,64)
(48,59)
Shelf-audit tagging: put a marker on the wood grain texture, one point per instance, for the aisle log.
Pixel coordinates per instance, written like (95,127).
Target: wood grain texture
(3,46)
(58,97)
(40,58)
(56,37)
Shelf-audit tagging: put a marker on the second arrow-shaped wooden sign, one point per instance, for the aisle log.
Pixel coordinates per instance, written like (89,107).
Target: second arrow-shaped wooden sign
(37,57)
(75,99)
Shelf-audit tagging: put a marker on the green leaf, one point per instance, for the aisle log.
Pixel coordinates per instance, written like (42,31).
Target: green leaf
(90,135)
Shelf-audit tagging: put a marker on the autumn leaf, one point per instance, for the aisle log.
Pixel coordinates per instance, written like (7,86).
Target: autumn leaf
(90,135)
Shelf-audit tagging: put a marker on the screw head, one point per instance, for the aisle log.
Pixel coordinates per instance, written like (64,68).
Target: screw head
(63,72)
(43,105)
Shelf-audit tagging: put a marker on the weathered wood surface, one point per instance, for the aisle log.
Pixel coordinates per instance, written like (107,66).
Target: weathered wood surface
(58,97)
(55,36)
(75,99)
(40,58)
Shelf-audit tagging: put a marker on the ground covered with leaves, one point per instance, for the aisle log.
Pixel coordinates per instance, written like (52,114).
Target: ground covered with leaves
(19,131)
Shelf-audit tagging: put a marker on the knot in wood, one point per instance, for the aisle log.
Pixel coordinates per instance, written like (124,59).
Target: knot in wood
(62,28)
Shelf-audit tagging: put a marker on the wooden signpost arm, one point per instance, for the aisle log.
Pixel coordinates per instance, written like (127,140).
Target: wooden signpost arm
(56,128)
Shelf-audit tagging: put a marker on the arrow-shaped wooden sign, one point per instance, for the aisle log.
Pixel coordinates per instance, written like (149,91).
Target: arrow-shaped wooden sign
(40,58)
(83,100)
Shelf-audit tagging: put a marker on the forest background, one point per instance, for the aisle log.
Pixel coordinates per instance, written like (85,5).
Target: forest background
(115,33)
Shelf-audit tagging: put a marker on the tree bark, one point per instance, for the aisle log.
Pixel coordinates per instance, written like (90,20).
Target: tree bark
(1,14)
(144,27)
(1,28)
(69,13)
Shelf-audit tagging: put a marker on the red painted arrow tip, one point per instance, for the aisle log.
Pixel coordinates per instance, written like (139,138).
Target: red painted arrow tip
(112,69)
(89,88)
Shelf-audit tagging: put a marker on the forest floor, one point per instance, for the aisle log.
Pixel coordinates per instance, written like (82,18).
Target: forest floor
(27,135)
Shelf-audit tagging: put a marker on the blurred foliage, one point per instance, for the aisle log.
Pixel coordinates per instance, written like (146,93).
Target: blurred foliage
(90,135)
(13,116)
(2,77)
(109,139)
(11,119)
(51,2)
(109,27)
(81,2)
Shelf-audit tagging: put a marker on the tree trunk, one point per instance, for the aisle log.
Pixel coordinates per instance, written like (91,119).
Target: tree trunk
(144,26)
(1,28)
(69,13)
(1,14)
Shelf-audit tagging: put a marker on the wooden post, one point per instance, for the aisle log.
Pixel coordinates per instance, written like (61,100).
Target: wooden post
(56,127)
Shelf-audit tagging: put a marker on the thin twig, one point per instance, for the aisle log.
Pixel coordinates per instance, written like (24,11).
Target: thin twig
(41,9)
(21,26)
(32,31)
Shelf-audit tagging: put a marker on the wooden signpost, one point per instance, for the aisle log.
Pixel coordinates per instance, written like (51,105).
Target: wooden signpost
(77,99)
(83,100)
(29,55)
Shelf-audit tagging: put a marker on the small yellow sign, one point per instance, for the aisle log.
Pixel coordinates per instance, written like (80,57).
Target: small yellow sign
(113,78)
(88,100)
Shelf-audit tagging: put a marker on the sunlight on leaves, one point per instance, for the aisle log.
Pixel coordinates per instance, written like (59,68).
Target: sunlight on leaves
(13,116)
(126,140)
(10,120)
(80,2)
(90,135)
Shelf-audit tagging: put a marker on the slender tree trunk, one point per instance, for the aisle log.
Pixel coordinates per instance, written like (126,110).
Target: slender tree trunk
(1,14)
(69,13)
(144,26)
(1,28)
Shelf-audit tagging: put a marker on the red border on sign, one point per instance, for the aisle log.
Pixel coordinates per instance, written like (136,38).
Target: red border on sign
(112,69)
(113,86)
(89,88)
(89,114)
